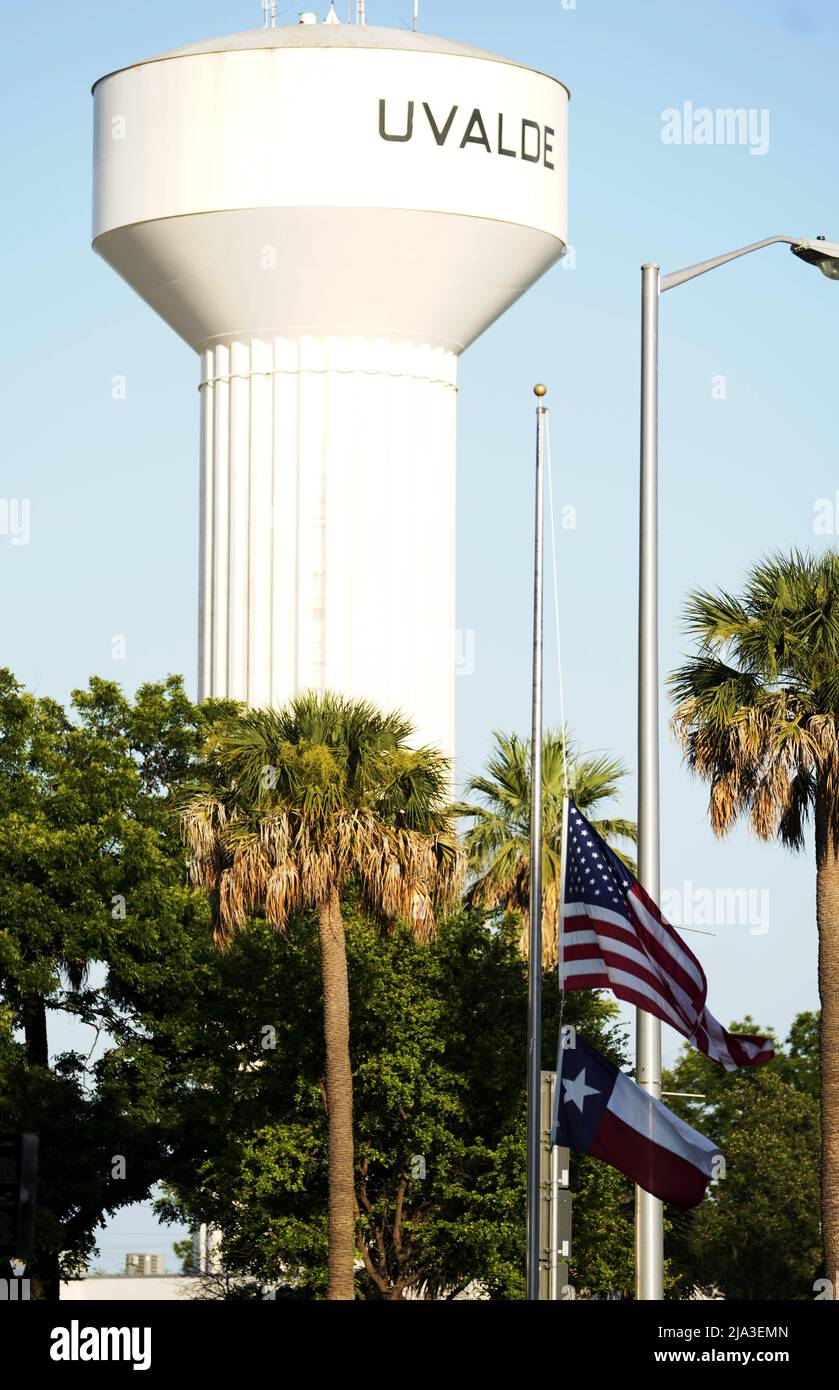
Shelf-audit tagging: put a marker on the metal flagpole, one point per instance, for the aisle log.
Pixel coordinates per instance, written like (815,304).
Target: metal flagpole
(649,1226)
(534,972)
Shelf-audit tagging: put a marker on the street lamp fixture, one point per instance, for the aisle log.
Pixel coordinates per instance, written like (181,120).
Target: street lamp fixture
(820,252)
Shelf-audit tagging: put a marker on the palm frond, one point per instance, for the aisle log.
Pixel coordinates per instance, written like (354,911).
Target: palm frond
(300,800)
(496,840)
(757,706)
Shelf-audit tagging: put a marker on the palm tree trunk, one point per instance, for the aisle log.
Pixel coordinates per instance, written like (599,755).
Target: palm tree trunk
(336,1027)
(827,911)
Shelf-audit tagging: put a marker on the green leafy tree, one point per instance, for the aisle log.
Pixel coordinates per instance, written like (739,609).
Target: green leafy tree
(800,1063)
(89,863)
(756,1235)
(757,707)
(215,1079)
(184,1254)
(497,842)
(297,804)
(602,1262)
(438,1055)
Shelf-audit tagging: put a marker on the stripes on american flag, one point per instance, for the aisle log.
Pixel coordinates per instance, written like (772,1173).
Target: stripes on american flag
(613,936)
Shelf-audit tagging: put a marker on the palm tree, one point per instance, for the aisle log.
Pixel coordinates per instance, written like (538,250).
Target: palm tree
(757,713)
(297,803)
(497,843)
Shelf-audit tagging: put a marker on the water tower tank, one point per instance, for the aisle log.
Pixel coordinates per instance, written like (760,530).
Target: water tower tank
(329,214)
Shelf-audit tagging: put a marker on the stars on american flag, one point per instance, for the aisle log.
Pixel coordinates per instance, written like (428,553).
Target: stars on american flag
(593,873)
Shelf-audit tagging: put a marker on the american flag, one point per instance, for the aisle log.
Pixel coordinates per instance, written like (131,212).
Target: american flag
(614,937)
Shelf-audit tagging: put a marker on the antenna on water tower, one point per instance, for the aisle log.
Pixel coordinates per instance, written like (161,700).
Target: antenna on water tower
(415,21)
(269,14)
(361,12)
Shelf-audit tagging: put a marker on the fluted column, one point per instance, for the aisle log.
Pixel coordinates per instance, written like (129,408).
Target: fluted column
(328,523)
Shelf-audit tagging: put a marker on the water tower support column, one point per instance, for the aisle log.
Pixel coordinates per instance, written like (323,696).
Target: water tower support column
(328,522)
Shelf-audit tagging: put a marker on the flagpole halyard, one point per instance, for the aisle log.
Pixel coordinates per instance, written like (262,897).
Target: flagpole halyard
(534,968)
(563,860)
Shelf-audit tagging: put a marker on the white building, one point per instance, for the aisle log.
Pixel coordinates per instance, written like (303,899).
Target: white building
(141,1266)
(115,1288)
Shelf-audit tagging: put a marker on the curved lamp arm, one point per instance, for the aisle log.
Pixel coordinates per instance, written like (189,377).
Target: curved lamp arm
(679,277)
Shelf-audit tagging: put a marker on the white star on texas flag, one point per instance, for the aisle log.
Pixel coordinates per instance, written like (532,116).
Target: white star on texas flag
(577,1090)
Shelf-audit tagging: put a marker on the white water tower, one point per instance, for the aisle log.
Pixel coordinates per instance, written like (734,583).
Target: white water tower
(329,214)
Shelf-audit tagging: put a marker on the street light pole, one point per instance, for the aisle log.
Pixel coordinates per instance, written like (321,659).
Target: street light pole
(649,1219)
(649,1242)
(534,964)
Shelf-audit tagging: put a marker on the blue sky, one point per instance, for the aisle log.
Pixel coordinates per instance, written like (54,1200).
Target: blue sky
(113,484)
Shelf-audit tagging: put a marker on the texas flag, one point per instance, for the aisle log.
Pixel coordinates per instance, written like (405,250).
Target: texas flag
(600,1111)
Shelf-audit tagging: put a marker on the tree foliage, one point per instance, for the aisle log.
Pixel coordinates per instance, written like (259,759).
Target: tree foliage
(497,838)
(296,802)
(438,1050)
(757,713)
(757,704)
(212,1080)
(756,1235)
(90,872)
(299,803)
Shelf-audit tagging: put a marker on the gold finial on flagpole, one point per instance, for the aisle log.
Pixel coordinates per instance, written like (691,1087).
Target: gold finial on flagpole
(540,390)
